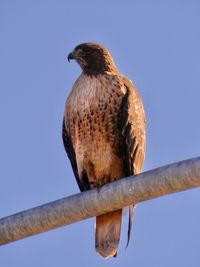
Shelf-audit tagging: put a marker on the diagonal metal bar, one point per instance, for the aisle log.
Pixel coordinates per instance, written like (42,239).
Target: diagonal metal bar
(124,192)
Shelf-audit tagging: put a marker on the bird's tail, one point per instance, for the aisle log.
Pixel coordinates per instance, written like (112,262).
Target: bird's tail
(107,235)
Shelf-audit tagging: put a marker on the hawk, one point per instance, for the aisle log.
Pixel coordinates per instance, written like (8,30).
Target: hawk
(103,133)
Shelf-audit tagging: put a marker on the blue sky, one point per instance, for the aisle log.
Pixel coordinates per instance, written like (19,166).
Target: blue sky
(155,44)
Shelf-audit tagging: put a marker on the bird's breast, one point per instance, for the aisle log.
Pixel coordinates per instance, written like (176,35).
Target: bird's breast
(93,122)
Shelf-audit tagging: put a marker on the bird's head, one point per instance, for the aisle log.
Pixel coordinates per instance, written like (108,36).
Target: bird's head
(93,58)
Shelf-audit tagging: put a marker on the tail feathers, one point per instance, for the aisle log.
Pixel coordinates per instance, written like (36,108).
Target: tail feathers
(107,236)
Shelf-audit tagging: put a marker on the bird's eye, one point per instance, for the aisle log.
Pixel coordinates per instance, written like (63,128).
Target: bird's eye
(78,51)
(86,51)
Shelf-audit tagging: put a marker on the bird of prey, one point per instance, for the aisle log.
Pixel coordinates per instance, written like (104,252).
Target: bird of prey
(103,133)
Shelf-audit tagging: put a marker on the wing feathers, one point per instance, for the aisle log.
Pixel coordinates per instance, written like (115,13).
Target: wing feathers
(71,153)
(131,209)
(132,125)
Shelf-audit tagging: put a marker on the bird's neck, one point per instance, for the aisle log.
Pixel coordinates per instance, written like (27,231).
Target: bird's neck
(99,66)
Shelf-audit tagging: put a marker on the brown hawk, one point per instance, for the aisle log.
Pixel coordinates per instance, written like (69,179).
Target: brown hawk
(103,133)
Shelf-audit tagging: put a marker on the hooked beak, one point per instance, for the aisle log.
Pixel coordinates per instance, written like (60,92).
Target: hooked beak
(70,56)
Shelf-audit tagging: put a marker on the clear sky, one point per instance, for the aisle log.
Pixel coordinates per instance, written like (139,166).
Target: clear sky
(154,43)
